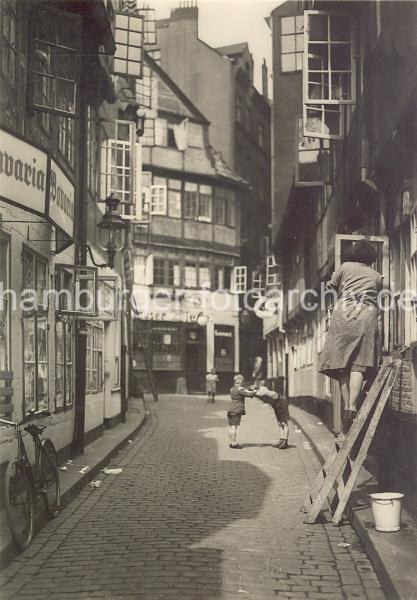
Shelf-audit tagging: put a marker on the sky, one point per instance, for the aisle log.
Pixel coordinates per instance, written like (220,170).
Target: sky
(224,22)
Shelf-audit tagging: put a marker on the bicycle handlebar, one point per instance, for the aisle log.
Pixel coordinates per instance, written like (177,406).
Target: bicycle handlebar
(33,412)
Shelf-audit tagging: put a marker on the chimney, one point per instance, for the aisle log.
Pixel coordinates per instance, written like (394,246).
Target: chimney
(187,11)
(264,80)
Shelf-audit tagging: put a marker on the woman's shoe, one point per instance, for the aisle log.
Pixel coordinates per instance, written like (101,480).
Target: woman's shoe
(282,444)
(235,446)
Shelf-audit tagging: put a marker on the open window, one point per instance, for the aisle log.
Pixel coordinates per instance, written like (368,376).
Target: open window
(128,34)
(257,284)
(312,158)
(239,280)
(108,297)
(273,272)
(56,46)
(328,72)
(76,290)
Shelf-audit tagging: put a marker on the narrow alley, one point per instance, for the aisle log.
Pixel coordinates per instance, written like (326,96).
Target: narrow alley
(188,517)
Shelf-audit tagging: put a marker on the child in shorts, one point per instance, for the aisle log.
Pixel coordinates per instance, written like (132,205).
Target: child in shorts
(238,393)
(280,407)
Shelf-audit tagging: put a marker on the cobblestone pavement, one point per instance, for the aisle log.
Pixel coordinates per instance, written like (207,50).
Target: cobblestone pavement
(190,518)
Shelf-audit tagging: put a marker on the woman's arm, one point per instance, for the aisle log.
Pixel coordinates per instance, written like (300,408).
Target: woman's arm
(334,282)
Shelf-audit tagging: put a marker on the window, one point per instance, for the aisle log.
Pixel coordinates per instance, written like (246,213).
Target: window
(292,43)
(93,136)
(158,200)
(94,363)
(311,158)
(54,70)
(413,273)
(224,348)
(219,277)
(328,75)
(230,212)
(129,41)
(64,366)
(66,132)
(191,201)
(144,88)
(174,198)
(273,272)
(190,275)
(34,332)
(9,42)
(257,284)
(166,347)
(149,32)
(205,203)
(118,161)
(239,281)
(219,209)
(4,306)
(159,271)
(204,275)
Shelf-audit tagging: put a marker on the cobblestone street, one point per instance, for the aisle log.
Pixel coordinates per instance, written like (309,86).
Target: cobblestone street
(191,518)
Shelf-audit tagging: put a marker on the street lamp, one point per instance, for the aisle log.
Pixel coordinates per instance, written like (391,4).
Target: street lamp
(111,229)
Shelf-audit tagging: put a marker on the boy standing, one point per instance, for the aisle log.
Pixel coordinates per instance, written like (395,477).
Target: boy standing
(280,407)
(211,384)
(237,408)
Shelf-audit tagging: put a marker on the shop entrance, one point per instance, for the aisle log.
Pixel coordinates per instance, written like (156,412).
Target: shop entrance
(195,358)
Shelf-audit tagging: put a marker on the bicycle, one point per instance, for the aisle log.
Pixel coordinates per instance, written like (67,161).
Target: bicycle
(24,481)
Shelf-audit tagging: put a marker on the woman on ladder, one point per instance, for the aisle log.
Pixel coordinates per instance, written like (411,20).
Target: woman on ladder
(350,352)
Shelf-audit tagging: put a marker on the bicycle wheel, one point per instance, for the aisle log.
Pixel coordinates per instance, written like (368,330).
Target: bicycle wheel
(49,478)
(19,504)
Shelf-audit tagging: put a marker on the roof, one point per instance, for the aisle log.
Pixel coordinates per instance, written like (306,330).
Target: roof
(222,169)
(233,49)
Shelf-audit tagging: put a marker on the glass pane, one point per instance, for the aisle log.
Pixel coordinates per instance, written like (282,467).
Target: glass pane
(318,28)
(174,204)
(299,24)
(340,57)
(299,61)
(318,57)
(120,66)
(288,43)
(313,123)
(135,39)
(332,124)
(29,387)
(59,386)
(133,69)
(29,340)
(299,43)
(340,28)
(121,51)
(288,62)
(341,86)
(122,21)
(287,25)
(28,271)
(318,86)
(41,281)
(42,387)
(42,340)
(59,342)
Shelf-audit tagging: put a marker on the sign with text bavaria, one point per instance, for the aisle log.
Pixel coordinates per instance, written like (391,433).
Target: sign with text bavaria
(23,173)
(32,180)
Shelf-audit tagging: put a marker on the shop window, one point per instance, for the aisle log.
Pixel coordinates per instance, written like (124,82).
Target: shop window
(64,363)
(239,280)
(128,35)
(4,306)
(94,362)
(204,275)
(34,332)
(190,275)
(166,348)
(329,75)
(55,55)
(292,43)
(224,348)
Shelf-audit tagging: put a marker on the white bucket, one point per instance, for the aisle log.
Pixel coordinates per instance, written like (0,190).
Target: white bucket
(386,509)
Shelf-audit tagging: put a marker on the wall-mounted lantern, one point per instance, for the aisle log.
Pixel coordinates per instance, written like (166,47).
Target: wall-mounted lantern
(111,230)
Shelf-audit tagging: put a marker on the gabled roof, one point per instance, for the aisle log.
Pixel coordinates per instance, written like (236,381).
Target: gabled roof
(171,85)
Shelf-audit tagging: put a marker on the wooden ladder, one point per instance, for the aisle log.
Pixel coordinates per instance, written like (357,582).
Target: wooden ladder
(341,469)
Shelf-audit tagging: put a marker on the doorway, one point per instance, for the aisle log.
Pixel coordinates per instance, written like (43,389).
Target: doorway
(195,358)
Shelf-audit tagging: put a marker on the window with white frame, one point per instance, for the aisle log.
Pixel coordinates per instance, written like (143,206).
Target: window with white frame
(174,198)
(191,201)
(128,35)
(94,360)
(273,271)
(149,31)
(257,284)
(328,72)
(239,280)
(118,161)
(64,363)
(205,202)
(190,275)
(56,47)
(204,276)
(292,43)
(158,200)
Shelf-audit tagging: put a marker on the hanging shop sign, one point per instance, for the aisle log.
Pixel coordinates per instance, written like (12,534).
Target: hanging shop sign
(32,180)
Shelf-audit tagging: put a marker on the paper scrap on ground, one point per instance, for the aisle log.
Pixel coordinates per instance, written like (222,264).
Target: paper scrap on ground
(64,468)
(343,545)
(112,470)
(297,430)
(84,469)
(96,483)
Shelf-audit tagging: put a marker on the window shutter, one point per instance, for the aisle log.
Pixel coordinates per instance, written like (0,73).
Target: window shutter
(239,280)
(149,270)
(128,35)
(158,199)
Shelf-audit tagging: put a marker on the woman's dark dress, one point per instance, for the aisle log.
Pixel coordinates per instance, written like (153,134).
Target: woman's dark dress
(352,339)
